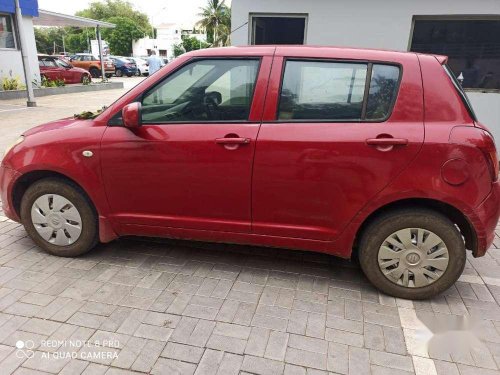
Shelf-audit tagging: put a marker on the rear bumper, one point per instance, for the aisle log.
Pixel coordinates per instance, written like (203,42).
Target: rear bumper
(485,220)
(8,177)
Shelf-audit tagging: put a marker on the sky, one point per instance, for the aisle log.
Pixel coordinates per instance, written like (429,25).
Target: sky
(183,12)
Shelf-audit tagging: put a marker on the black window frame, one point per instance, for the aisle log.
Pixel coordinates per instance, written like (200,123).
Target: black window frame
(445,18)
(14,32)
(369,64)
(116,119)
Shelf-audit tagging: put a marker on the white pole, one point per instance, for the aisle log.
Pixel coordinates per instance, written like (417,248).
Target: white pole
(103,73)
(24,53)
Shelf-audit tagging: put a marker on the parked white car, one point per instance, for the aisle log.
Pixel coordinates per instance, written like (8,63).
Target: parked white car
(142,67)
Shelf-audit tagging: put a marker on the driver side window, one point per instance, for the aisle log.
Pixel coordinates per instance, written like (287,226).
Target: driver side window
(203,91)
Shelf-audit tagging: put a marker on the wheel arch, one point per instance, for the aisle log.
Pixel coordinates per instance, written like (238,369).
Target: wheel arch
(454,214)
(29,178)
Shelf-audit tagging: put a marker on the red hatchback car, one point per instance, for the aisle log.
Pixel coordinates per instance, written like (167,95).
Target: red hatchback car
(54,68)
(349,152)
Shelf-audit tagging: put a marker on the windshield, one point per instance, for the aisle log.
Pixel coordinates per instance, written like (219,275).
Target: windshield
(460,91)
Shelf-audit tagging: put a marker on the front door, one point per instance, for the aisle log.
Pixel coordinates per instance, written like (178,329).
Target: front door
(336,141)
(189,165)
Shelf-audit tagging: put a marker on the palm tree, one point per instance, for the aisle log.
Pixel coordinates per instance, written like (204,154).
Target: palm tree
(216,20)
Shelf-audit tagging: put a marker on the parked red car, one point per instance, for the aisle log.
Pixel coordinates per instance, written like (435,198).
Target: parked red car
(349,152)
(54,68)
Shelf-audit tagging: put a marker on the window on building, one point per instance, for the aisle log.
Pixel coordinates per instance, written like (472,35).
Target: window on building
(473,48)
(277,29)
(335,91)
(7,36)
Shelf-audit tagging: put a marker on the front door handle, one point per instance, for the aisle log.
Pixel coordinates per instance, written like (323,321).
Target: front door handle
(387,141)
(232,141)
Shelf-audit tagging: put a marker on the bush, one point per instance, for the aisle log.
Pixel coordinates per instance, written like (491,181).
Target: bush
(52,83)
(12,83)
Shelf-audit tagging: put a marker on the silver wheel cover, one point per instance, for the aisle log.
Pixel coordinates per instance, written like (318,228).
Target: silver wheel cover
(56,219)
(413,257)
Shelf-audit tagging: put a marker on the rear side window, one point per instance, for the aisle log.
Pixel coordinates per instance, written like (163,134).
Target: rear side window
(337,91)
(382,93)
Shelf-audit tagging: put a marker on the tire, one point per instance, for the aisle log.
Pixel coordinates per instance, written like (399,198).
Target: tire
(70,245)
(118,73)
(94,72)
(129,75)
(86,79)
(109,75)
(427,221)
(138,73)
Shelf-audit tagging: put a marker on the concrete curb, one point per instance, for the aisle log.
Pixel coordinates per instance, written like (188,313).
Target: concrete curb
(70,89)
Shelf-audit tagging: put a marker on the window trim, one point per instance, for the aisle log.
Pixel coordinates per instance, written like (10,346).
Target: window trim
(368,78)
(140,97)
(454,17)
(14,32)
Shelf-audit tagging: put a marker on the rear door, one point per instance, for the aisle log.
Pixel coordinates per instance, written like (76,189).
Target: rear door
(336,131)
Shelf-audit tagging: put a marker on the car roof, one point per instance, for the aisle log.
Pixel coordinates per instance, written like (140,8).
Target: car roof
(309,51)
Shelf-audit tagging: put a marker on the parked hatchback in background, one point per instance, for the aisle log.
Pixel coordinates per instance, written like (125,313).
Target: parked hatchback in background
(54,68)
(92,64)
(349,152)
(123,66)
(142,65)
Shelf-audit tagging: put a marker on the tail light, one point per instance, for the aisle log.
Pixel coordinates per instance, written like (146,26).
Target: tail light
(490,153)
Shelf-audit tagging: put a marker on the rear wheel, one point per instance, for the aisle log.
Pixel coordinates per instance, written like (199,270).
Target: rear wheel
(59,217)
(138,73)
(95,73)
(118,73)
(412,254)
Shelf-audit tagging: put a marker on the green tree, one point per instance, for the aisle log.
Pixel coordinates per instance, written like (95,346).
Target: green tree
(120,38)
(216,20)
(105,10)
(189,43)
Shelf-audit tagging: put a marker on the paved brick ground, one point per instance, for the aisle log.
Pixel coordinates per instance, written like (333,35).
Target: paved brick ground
(171,307)
(168,307)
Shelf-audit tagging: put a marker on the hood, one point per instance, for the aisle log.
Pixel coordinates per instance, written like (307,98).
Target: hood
(58,124)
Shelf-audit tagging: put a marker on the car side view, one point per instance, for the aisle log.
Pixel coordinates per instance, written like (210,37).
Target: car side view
(92,64)
(364,154)
(55,68)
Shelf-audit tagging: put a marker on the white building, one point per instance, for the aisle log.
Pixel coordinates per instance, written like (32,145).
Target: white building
(167,35)
(467,31)
(11,63)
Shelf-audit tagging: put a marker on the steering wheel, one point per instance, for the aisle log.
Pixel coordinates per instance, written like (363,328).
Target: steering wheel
(212,101)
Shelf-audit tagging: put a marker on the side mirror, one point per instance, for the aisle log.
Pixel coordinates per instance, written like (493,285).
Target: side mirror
(131,115)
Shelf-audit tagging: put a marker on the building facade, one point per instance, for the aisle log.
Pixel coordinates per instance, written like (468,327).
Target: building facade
(11,64)
(167,35)
(466,31)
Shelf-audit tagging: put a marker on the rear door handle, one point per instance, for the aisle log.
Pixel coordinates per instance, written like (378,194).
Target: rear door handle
(387,141)
(232,141)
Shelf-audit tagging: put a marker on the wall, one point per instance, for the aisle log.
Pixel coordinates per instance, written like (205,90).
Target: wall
(11,63)
(382,24)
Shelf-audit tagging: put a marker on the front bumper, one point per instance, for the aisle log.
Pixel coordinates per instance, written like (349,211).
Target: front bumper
(8,177)
(485,220)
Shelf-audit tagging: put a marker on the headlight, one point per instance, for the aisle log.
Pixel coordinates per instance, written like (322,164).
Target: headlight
(18,140)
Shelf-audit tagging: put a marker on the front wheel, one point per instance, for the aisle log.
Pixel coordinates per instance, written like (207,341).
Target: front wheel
(85,79)
(412,253)
(59,217)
